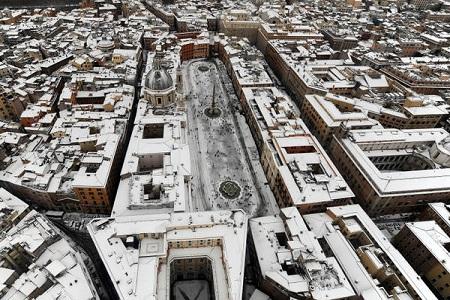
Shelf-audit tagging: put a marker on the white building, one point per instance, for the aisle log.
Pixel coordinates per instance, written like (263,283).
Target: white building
(36,262)
(393,170)
(12,210)
(291,262)
(375,269)
(298,169)
(156,172)
(153,256)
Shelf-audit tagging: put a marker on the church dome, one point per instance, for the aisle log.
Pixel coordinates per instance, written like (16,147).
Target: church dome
(158,80)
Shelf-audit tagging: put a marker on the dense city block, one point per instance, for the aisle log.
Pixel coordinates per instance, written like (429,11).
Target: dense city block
(225,149)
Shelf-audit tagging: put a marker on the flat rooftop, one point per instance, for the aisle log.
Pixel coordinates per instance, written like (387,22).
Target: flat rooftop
(137,250)
(366,256)
(433,237)
(369,148)
(157,169)
(284,245)
(307,171)
(54,261)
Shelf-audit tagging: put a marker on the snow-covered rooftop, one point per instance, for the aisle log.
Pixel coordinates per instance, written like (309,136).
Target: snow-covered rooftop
(55,270)
(156,170)
(284,246)
(357,243)
(363,146)
(136,250)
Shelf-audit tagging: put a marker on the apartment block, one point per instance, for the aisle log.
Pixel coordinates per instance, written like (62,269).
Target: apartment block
(326,118)
(37,262)
(394,171)
(423,78)
(164,256)
(290,261)
(438,212)
(325,115)
(298,169)
(426,246)
(336,254)
(156,174)
(374,267)
(13,210)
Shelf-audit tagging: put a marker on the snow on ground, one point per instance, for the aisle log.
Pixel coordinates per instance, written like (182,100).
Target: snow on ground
(216,151)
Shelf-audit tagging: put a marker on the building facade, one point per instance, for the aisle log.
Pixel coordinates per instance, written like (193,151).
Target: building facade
(394,171)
